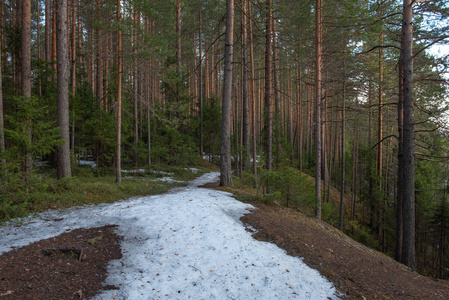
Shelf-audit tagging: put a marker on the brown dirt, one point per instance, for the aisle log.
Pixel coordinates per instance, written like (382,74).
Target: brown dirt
(355,270)
(27,273)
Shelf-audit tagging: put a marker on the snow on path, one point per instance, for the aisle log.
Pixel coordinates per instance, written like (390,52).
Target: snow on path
(188,244)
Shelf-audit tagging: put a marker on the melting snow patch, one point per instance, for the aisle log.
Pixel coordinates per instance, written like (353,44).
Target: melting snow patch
(188,244)
(93,164)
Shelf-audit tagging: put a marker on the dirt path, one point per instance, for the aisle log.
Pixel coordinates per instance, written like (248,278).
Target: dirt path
(357,271)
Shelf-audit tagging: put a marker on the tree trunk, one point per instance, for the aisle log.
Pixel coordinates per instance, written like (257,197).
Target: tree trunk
(26,75)
(398,247)
(178,34)
(2,132)
(318,41)
(245,98)
(118,174)
(253,95)
(135,89)
(277,97)
(63,168)
(225,159)
(73,69)
(343,141)
(268,82)
(408,173)
(200,74)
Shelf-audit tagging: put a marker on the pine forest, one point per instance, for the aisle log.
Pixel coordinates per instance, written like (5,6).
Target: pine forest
(338,109)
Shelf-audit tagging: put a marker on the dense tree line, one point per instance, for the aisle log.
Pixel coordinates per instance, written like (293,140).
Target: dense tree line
(346,91)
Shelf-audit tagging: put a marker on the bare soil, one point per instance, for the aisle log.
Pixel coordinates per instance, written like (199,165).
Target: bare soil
(56,269)
(357,271)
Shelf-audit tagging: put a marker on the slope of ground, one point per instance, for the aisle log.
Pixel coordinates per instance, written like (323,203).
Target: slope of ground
(357,271)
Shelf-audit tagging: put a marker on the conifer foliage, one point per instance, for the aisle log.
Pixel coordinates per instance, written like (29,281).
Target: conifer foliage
(344,94)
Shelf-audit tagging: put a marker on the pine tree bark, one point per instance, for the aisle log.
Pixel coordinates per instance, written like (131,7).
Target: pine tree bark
(225,159)
(118,174)
(26,75)
(408,172)
(343,141)
(63,167)
(399,199)
(268,89)
(318,146)
(245,98)
(2,132)
(135,88)
(73,74)
(200,73)
(253,94)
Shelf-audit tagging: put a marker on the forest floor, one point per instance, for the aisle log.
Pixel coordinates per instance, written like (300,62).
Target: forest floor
(356,271)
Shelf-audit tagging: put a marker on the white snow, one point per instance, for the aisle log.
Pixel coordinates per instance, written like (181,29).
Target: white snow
(91,163)
(188,244)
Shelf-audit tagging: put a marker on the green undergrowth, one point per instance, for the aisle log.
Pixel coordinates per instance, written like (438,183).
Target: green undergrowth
(290,188)
(87,186)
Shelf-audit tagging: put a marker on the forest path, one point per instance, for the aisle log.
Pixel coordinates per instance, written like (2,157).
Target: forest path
(187,244)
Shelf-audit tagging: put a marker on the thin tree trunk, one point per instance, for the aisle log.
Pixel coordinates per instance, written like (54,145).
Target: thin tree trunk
(99,40)
(318,147)
(245,99)
(268,82)
(408,173)
(63,169)
(178,34)
(399,200)
(135,89)
(39,58)
(2,132)
(53,36)
(26,75)
(225,159)
(118,175)
(277,97)
(343,165)
(253,95)
(73,69)
(200,74)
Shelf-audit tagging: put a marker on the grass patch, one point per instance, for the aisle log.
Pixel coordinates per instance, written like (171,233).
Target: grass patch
(90,186)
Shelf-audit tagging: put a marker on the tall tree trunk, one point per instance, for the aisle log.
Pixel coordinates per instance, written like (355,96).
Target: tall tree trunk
(47,31)
(225,159)
(399,200)
(99,41)
(53,37)
(26,75)
(268,82)
(73,75)
(343,165)
(253,94)
(200,73)
(277,97)
(135,88)
(39,58)
(318,147)
(2,132)
(178,34)
(118,174)
(408,205)
(245,98)
(63,168)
